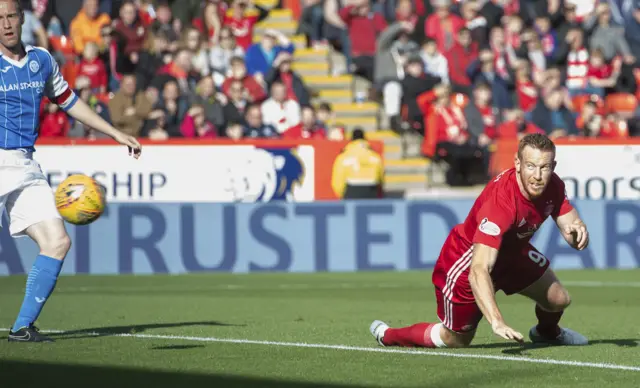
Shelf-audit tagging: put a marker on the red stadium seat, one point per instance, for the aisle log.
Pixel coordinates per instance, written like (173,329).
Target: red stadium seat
(623,104)
(62,44)
(579,101)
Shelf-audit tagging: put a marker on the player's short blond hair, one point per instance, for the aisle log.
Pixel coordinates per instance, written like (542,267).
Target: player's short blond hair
(536,141)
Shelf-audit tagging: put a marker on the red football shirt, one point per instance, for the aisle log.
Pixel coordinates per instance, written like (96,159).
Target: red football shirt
(502,217)
(242,28)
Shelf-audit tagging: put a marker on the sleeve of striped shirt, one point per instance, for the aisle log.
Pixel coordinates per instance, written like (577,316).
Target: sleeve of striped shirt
(58,90)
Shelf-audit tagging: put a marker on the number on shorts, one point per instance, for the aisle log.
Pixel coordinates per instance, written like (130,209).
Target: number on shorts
(538,258)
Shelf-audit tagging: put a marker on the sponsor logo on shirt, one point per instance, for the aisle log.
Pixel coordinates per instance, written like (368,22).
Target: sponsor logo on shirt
(488,227)
(22,86)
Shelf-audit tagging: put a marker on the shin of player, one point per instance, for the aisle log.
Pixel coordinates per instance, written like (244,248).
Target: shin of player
(54,243)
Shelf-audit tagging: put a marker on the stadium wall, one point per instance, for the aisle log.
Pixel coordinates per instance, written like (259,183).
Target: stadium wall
(147,238)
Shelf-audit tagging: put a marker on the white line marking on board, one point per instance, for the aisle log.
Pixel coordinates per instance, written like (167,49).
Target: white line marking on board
(547,361)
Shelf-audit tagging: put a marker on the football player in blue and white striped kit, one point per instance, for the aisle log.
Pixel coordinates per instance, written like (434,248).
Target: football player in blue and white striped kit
(26,75)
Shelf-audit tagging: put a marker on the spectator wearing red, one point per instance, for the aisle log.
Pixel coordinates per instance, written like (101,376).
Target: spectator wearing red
(592,124)
(195,124)
(404,12)
(452,140)
(210,22)
(93,68)
(600,75)
(443,26)
(54,121)
(526,91)
(242,17)
(363,26)
(308,128)
(463,52)
(131,30)
(255,91)
(279,110)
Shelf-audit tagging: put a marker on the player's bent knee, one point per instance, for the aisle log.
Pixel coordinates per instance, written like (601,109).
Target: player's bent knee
(456,340)
(57,247)
(559,300)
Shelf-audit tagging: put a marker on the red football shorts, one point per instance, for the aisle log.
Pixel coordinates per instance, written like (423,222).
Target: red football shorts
(515,270)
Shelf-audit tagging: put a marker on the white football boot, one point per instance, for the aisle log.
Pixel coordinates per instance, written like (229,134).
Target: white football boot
(567,337)
(377,329)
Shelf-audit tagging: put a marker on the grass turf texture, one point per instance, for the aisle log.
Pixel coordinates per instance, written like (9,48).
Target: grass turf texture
(334,309)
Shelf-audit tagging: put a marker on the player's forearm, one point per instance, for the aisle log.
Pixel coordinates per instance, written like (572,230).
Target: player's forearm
(484,293)
(83,113)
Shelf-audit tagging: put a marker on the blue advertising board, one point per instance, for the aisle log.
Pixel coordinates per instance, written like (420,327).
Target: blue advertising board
(146,238)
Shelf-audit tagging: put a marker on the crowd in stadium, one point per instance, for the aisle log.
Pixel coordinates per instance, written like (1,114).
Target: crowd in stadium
(467,71)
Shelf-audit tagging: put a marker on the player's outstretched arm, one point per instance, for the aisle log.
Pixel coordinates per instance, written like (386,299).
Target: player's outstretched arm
(83,113)
(573,229)
(484,258)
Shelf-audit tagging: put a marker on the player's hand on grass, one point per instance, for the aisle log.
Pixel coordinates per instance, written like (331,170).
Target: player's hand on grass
(578,230)
(502,330)
(135,149)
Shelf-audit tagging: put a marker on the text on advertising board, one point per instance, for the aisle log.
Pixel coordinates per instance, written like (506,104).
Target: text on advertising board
(307,237)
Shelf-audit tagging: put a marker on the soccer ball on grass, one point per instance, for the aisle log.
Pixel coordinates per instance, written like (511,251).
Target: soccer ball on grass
(80,200)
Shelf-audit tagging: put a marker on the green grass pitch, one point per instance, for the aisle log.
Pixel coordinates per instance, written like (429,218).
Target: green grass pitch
(165,331)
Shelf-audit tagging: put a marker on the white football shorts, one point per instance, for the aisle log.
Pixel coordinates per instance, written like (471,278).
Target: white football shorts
(24,192)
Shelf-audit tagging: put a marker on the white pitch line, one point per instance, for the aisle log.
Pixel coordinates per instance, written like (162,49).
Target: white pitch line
(547,361)
(598,284)
(336,286)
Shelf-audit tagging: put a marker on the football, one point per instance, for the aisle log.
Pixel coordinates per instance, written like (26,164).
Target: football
(80,199)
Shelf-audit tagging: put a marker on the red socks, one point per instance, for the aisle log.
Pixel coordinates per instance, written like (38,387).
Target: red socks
(548,323)
(418,335)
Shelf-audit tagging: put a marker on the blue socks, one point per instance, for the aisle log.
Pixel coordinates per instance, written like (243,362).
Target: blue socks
(40,284)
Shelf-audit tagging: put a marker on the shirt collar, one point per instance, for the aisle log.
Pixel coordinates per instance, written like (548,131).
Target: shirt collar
(27,48)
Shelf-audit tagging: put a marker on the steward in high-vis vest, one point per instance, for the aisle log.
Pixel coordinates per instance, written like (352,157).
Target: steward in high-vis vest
(358,172)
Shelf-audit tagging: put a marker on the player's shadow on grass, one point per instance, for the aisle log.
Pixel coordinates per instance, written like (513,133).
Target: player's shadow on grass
(21,374)
(131,329)
(517,349)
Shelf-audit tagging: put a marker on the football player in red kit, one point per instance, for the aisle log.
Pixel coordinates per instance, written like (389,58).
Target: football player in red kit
(491,251)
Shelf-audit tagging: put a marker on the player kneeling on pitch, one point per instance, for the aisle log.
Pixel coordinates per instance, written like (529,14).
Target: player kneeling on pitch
(491,251)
